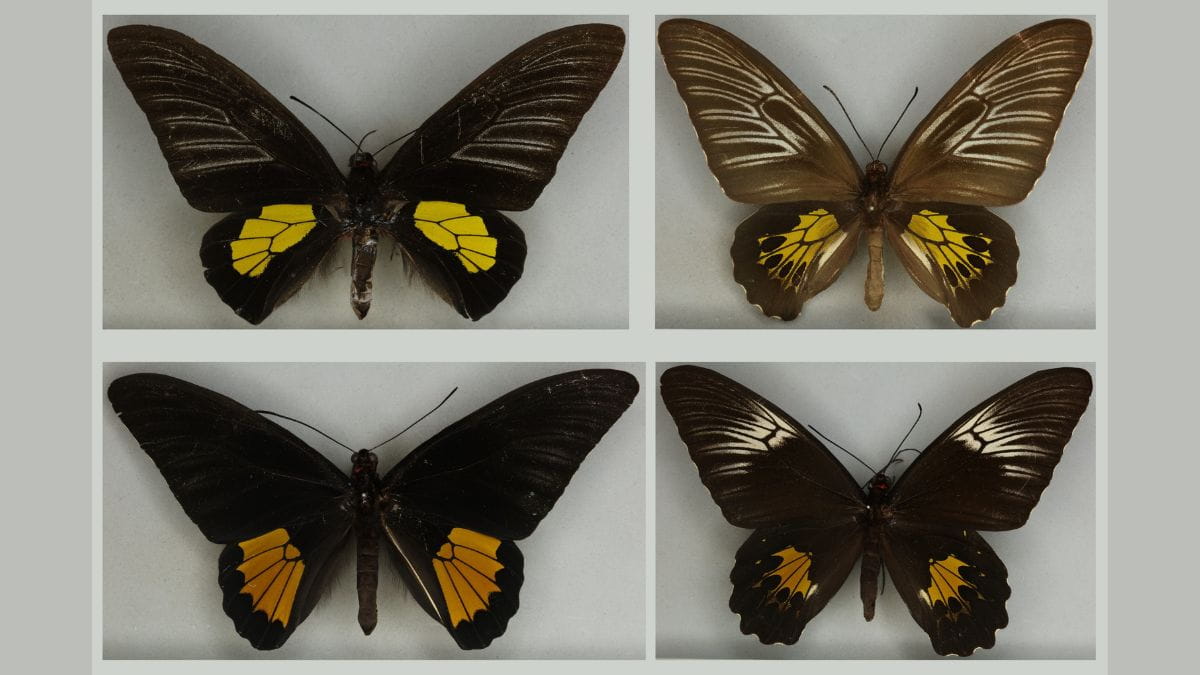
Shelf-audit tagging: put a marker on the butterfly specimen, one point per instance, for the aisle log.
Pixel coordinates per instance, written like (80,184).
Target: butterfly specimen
(233,148)
(449,513)
(812,520)
(983,144)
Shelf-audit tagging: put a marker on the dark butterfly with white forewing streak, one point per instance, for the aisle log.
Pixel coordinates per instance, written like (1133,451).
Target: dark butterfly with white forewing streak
(812,520)
(984,144)
(233,147)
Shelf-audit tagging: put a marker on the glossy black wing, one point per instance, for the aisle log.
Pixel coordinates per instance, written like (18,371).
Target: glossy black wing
(453,507)
(762,467)
(228,142)
(784,576)
(280,507)
(471,257)
(954,585)
(988,470)
(496,144)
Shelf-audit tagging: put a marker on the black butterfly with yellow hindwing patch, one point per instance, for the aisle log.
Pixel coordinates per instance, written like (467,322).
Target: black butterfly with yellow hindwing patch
(985,143)
(449,512)
(813,521)
(233,147)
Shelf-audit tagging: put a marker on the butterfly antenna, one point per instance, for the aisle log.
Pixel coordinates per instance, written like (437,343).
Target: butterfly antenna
(839,447)
(304,424)
(391,143)
(358,146)
(418,419)
(847,114)
(896,454)
(327,120)
(910,102)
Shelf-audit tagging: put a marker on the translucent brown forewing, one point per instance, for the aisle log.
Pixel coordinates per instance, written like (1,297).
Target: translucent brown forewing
(984,144)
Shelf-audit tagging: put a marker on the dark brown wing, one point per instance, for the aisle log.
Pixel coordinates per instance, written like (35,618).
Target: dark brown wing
(762,467)
(497,143)
(765,141)
(988,470)
(228,142)
(954,585)
(965,257)
(785,254)
(987,139)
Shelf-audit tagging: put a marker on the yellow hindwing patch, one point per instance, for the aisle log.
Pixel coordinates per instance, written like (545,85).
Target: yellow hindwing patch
(466,568)
(787,256)
(945,584)
(272,568)
(276,229)
(452,227)
(961,257)
(793,573)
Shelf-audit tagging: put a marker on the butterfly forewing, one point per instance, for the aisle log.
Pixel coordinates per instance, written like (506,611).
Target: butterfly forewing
(987,139)
(761,466)
(229,143)
(497,142)
(988,470)
(765,141)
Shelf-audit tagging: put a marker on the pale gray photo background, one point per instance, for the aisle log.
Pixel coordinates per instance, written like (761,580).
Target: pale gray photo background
(873,63)
(867,408)
(584,565)
(367,72)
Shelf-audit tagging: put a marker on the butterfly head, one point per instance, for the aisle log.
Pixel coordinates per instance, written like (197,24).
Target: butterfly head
(365,462)
(362,160)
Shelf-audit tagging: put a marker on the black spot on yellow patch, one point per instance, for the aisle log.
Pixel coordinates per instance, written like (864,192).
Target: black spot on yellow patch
(960,256)
(948,587)
(790,578)
(787,255)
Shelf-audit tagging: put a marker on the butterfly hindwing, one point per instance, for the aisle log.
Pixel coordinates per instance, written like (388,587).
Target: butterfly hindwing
(256,260)
(988,470)
(229,144)
(280,507)
(785,254)
(785,575)
(498,141)
(470,256)
(965,257)
(986,141)
(765,141)
(453,507)
(761,466)
(954,585)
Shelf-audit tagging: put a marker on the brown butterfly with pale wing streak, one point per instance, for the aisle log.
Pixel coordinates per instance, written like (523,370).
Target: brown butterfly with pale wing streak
(985,143)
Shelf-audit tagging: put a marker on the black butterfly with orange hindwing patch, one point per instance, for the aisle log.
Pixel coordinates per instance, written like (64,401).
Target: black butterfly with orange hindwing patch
(985,143)
(812,520)
(233,147)
(449,512)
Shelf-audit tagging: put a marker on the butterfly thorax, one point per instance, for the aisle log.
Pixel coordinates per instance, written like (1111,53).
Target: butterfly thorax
(364,480)
(874,191)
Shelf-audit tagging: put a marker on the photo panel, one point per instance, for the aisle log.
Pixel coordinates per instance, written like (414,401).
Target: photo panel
(462,509)
(457,222)
(868,408)
(771,146)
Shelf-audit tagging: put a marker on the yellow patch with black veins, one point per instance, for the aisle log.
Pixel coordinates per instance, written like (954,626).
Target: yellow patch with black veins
(787,256)
(276,229)
(794,577)
(466,567)
(946,584)
(961,257)
(455,229)
(272,568)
